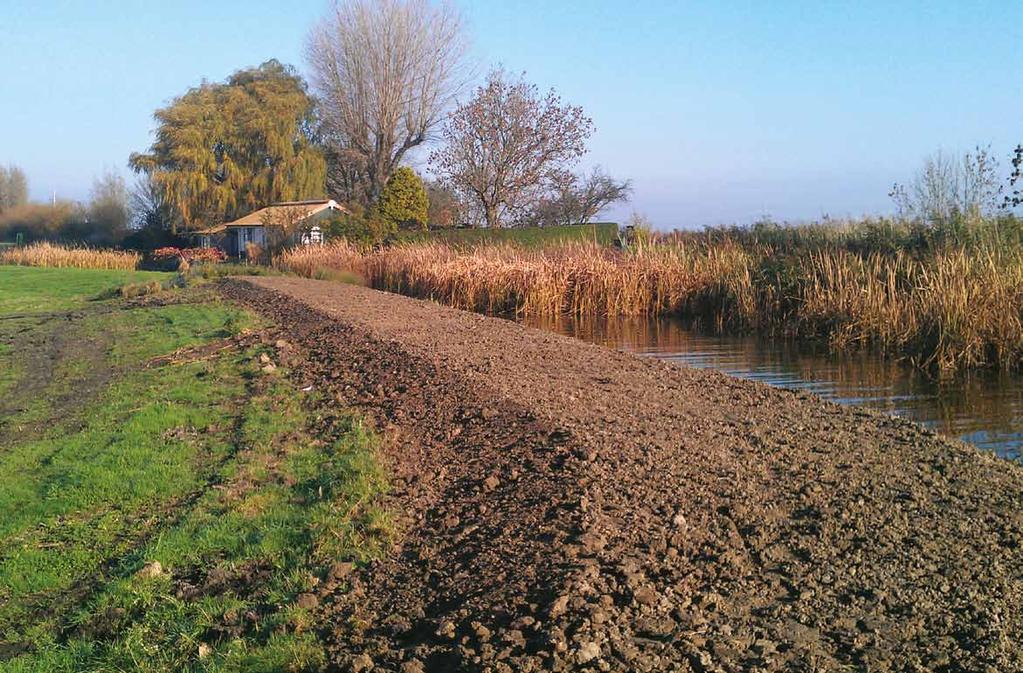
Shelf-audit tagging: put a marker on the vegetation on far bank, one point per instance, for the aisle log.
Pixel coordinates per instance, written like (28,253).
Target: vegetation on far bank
(600,233)
(168,504)
(875,283)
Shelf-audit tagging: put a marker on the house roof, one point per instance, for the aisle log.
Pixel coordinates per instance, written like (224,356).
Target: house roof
(302,210)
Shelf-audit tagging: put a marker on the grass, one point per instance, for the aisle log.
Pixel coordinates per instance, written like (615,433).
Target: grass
(35,290)
(601,233)
(60,256)
(201,463)
(942,307)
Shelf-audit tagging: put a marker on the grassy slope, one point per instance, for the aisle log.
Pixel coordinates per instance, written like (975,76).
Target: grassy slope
(205,465)
(603,233)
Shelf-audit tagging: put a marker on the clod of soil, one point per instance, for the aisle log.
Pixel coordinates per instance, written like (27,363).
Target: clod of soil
(569,507)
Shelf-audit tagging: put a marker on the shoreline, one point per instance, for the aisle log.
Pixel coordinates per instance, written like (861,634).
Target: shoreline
(568,506)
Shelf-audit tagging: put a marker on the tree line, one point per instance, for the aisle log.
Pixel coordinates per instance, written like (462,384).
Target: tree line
(103,220)
(386,77)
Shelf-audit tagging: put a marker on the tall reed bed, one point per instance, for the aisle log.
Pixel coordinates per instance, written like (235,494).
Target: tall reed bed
(48,254)
(947,309)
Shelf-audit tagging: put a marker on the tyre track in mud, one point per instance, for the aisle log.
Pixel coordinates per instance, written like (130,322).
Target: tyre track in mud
(569,507)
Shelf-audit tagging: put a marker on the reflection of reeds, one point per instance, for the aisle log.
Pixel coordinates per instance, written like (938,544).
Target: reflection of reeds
(945,309)
(48,254)
(974,401)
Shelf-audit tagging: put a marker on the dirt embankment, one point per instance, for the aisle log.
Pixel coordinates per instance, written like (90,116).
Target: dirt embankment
(570,507)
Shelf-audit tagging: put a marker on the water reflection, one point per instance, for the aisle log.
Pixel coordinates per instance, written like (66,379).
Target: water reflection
(983,408)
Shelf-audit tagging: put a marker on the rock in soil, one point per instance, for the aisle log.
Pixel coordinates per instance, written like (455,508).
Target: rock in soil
(677,520)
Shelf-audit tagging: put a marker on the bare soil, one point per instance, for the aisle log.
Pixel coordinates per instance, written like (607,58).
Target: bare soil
(569,507)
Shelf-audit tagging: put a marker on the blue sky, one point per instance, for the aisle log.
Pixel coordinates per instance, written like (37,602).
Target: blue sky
(719,112)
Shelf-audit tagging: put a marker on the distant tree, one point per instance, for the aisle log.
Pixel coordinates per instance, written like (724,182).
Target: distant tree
(577,199)
(149,208)
(222,150)
(13,188)
(403,201)
(445,210)
(39,221)
(385,71)
(951,190)
(151,218)
(101,221)
(1015,196)
(506,146)
(108,211)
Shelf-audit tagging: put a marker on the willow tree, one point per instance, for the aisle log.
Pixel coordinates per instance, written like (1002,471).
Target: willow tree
(224,149)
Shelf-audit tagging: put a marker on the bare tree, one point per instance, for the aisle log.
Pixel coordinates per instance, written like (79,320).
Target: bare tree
(579,198)
(445,209)
(109,213)
(507,145)
(346,173)
(149,209)
(282,225)
(385,72)
(951,189)
(13,188)
(1015,196)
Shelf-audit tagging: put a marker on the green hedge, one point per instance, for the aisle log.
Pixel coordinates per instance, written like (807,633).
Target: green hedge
(603,233)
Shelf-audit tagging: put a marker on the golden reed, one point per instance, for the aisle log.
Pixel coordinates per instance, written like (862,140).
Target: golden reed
(944,310)
(48,254)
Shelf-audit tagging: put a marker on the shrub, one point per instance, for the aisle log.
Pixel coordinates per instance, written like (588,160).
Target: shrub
(209,255)
(403,202)
(364,231)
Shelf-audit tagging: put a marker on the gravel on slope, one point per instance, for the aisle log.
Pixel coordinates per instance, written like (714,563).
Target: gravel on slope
(569,507)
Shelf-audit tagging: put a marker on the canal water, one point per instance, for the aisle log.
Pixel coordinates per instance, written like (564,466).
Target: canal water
(982,408)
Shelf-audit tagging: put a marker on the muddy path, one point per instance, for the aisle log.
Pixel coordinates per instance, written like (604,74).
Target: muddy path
(569,507)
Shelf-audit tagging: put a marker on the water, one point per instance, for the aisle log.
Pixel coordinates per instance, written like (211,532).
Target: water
(982,408)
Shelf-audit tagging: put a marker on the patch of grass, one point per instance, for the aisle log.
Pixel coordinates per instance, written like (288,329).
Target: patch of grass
(222,269)
(9,372)
(205,465)
(38,290)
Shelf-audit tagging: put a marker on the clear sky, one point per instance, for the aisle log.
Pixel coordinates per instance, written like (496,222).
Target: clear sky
(720,112)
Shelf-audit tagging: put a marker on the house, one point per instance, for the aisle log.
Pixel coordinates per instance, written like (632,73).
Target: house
(298,217)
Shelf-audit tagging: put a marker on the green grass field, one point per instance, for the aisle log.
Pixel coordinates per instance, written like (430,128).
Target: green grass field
(603,233)
(111,461)
(33,289)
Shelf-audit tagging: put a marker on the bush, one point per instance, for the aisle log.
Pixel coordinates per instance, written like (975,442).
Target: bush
(364,231)
(403,203)
(62,221)
(38,222)
(201,255)
(151,238)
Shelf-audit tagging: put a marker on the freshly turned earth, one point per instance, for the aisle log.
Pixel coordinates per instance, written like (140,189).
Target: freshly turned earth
(570,507)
